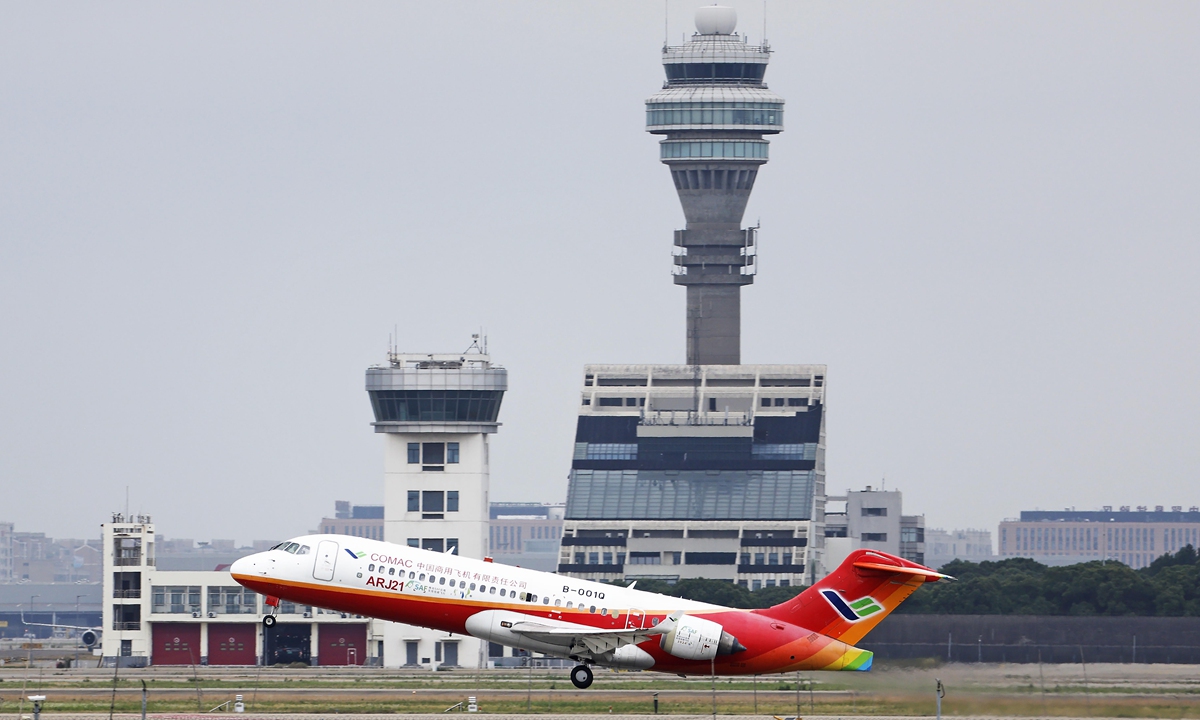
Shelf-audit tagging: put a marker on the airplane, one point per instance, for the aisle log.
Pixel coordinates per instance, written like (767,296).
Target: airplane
(90,636)
(589,622)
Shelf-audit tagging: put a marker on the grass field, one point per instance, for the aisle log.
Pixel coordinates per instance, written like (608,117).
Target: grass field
(1113,691)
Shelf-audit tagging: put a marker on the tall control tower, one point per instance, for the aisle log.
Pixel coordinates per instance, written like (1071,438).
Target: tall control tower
(713,112)
(436,413)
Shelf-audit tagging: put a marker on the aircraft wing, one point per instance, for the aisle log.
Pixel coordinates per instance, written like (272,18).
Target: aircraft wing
(582,639)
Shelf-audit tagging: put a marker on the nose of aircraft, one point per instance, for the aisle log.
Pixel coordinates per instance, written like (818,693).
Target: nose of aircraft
(243,566)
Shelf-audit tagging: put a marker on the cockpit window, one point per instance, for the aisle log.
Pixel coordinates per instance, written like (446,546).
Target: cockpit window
(292,548)
(303,550)
(279,546)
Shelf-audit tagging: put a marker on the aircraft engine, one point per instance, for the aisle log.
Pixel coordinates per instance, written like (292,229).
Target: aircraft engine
(90,637)
(694,638)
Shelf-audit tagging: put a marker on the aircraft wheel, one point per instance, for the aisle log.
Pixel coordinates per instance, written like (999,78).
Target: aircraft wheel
(269,621)
(581,677)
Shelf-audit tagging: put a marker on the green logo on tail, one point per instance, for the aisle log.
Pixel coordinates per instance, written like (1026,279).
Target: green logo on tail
(865,606)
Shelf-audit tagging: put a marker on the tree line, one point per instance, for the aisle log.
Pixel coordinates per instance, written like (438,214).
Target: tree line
(1020,586)
(1015,586)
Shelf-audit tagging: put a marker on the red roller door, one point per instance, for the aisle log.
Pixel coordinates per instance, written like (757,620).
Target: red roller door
(232,644)
(175,644)
(342,644)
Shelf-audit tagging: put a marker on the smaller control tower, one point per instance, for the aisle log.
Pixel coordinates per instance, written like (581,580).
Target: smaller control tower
(436,412)
(714,110)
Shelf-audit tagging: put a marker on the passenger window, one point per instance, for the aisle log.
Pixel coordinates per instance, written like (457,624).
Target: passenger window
(391,571)
(603,611)
(412,575)
(472,586)
(557,602)
(503,592)
(592,609)
(422,576)
(492,590)
(570,604)
(371,567)
(545,601)
(441,581)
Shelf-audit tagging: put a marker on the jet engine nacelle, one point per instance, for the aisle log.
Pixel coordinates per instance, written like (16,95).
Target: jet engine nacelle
(694,638)
(90,638)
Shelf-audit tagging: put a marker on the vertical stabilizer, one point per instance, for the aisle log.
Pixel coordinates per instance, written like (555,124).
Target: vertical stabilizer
(849,602)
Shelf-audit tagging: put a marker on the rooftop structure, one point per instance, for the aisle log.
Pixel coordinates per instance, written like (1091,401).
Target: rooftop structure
(713,113)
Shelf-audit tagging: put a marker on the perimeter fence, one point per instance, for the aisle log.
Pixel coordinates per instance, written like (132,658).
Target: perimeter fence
(1037,638)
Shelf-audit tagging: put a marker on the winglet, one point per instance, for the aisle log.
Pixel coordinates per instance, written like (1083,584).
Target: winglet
(929,575)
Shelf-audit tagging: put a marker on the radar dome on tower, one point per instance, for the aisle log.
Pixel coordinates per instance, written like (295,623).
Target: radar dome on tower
(716,20)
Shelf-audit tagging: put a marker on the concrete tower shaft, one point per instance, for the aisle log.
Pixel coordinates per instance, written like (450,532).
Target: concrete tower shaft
(714,110)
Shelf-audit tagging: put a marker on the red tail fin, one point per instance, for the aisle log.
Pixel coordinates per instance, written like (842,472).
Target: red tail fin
(851,600)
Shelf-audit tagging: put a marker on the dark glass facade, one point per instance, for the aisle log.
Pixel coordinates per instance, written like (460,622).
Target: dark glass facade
(436,405)
(753,72)
(767,475)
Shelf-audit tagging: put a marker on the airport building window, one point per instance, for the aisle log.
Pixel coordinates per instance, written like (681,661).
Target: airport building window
(452,545)
(874,512)
(610,402)
(715,113)
(433,453)
(414,501)
(677,149)
(645,558)
(689,494)
(234,600)
(593,558)
(175,599)
(874,537)
(433,544)
(436,405)
(451,501)
(414,453)
(610,451)
(451,452)
(433,501)
(784,451)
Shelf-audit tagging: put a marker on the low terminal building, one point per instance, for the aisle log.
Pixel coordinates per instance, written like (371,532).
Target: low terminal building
(1133,536)
(197,617)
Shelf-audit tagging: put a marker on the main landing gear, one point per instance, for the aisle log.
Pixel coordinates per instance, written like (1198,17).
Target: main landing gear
(272,602)
(581,677)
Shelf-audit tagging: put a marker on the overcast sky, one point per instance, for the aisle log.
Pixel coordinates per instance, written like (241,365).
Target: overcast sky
(982,216)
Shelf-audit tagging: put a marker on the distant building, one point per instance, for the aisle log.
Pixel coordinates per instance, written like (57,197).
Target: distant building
(526,534)
(943,546)
(364,521)
(872,519)
(37,558)
(6,556)
(1134,537)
